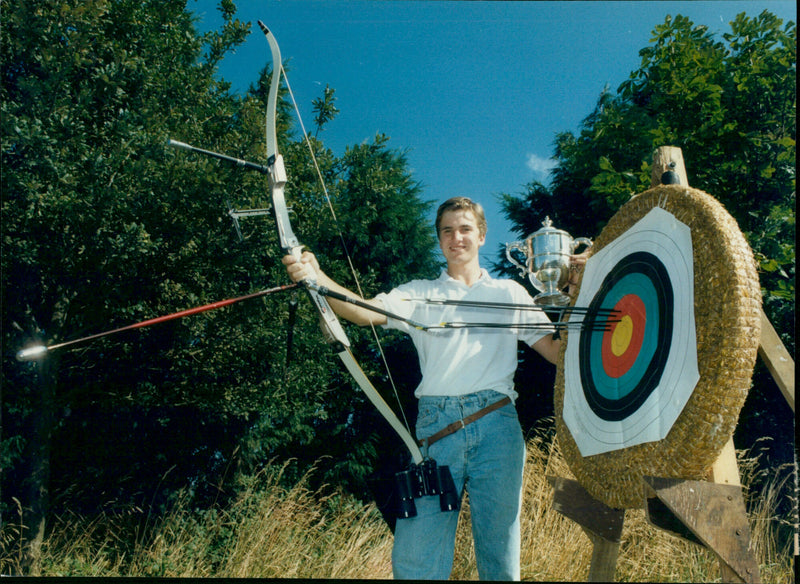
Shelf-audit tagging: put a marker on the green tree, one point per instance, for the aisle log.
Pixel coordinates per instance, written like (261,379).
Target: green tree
(100,223)
(730,106)
(104,225)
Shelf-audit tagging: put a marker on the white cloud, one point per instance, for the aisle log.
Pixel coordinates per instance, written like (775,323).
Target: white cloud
(539,165)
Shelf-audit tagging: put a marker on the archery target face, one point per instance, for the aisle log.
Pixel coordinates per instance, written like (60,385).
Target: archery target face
(627,384)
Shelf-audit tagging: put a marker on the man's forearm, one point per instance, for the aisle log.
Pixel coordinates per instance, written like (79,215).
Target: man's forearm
(355,314)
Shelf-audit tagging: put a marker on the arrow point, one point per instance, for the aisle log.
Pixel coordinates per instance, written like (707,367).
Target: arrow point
(31,353)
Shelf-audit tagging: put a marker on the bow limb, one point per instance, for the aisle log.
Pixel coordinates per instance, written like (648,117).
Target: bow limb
(331,327)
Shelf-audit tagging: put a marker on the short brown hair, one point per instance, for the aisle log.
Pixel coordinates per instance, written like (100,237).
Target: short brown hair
(462,204)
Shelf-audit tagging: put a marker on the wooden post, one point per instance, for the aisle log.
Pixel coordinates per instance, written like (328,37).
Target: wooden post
(600,522)
(665,159)
(725,471)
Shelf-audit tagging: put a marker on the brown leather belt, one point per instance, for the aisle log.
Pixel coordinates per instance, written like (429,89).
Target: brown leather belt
(455,426)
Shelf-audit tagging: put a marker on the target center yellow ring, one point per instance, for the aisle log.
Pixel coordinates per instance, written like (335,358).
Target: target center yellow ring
(621,337)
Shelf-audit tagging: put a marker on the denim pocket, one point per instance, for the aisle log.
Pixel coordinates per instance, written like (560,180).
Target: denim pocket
(427,417)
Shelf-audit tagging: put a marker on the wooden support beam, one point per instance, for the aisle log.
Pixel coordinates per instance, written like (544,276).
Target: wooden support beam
(710,514)
(777,359)
(725,471)
(600,522)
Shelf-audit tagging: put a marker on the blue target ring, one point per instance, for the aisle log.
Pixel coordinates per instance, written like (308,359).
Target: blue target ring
(643,275)
(614,389)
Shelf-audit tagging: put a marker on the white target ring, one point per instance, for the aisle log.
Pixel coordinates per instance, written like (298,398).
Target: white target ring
(632,391)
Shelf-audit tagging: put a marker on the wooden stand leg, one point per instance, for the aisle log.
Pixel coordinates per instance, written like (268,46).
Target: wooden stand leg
(604,559)
(708,514)
(601,523)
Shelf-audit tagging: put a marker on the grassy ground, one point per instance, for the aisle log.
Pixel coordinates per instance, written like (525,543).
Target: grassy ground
(271,531)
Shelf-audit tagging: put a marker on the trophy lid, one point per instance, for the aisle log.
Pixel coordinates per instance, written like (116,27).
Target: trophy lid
(547,227)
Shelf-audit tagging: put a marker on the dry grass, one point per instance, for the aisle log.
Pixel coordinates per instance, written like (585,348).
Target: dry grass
(274,532)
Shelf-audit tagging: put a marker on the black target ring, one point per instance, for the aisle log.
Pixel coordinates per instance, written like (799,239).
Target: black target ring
(649,361)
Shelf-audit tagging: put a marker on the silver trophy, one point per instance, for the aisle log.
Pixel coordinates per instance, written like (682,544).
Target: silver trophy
(547,261)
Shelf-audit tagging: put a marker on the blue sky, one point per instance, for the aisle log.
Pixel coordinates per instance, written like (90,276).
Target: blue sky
(474,91)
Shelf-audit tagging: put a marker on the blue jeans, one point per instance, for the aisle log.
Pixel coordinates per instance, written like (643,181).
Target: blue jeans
(486,459)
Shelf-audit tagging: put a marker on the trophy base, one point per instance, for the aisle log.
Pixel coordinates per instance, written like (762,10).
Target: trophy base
(551,299)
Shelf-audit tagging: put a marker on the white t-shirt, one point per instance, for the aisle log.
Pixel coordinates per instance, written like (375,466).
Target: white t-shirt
(465,360)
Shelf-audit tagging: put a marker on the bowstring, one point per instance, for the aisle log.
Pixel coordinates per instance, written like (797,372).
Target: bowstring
(344,244)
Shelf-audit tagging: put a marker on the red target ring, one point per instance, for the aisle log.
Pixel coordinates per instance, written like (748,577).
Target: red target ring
(623,341)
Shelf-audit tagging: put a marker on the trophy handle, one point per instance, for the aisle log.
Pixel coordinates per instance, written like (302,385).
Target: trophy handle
(520,246)
(581,241)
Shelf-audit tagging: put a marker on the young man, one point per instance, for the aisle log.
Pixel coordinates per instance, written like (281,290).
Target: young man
(464,371)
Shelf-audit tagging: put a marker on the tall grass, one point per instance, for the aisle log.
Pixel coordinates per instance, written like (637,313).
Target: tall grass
(271,531)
